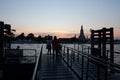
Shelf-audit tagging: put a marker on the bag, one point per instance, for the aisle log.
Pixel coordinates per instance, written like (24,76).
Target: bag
(46,46)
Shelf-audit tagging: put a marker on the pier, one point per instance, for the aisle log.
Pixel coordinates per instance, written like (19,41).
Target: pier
(93,62)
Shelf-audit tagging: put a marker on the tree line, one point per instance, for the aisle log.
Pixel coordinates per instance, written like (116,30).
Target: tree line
(32,38)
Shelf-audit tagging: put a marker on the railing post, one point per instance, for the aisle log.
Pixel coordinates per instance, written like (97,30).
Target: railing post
(68,56)
(74,55)
(107,55)
(98,72)
(111,45)
(78,56)
(87,67)
(78,46)
(71,58)
(82,48)
(82,67)
(1,41)
(88,50)
(106,77)
(64,52)
(106,73)
(104,43)
(61,54)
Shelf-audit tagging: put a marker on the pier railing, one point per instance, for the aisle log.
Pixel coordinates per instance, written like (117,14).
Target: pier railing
(87,50)
(37,65)
(19,64)
(88,67)
(20,55)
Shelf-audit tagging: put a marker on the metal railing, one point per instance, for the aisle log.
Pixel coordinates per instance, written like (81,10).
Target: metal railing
(88,49)
(88,67)
(37,66)
(23,55)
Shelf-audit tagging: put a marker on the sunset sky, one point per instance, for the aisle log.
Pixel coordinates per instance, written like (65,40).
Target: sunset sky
(60,17)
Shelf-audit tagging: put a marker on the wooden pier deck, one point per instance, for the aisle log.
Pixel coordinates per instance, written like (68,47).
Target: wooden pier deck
(53,68)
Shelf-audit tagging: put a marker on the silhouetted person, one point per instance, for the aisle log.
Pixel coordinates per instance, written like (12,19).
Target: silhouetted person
(18,47)
(19,52)
(55,44)
(49,42)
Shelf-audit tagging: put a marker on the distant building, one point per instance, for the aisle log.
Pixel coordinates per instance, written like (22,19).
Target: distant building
(82,36)
(65,40)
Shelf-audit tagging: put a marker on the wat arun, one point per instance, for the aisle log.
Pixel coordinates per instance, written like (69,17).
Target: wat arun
(82,35)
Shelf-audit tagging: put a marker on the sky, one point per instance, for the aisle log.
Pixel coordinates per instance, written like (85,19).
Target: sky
(62,18)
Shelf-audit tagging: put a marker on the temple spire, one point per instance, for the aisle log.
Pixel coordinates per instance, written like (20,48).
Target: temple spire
(82,27)
(82,36)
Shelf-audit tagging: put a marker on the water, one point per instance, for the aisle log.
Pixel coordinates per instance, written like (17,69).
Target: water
(116,46)
(116,49)
(37,47)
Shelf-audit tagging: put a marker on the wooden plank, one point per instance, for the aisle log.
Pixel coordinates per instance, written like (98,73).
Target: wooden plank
(54,69)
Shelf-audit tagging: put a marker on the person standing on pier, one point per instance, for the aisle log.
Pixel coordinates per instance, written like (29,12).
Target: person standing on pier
(49,42)
(55,44)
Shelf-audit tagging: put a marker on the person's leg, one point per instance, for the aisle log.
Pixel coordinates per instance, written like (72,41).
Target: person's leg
(47,51)
(56,50)
(50,49)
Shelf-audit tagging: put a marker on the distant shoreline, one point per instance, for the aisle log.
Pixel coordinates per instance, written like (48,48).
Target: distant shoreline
(45,43)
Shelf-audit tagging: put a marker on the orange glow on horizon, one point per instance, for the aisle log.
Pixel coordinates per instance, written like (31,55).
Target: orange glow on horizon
(65,34)
(58,34)
(117,33)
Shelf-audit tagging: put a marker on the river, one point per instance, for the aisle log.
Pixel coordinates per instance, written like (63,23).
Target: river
(38,46)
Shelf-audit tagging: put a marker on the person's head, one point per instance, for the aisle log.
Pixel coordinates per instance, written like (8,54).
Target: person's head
(55,37)
(48,38)
(18,47)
